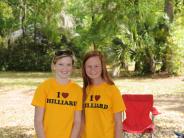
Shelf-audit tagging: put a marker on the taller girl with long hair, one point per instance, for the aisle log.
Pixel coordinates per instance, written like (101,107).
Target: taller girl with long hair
(103,104)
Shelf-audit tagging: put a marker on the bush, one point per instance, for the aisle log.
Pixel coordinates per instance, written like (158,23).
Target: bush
(24,55)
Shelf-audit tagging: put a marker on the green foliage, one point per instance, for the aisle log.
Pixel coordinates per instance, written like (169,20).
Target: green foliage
(125,31)
(6,11)
(5,17)
(96,21)
(136,31)
(26,56)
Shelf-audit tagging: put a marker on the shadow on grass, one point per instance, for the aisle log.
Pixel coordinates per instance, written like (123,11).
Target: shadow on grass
(171,100)
(16,132)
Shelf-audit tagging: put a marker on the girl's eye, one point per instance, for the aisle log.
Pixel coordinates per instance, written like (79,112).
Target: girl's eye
(69,65)
(97,66)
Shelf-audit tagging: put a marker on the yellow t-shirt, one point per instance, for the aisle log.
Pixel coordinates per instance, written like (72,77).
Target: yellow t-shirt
(101,103)
(60,103)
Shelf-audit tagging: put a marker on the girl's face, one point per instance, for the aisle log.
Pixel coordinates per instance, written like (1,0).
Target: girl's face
(93,68)
(63,67)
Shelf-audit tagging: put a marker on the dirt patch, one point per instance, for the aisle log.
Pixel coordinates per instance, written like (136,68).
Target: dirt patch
(16,114)
(172,115)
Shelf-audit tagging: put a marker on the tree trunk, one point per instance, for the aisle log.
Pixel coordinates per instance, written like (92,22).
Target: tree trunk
(169,9)
(164,64)
(22,16)
(35,22)
(149,67)
(137,66)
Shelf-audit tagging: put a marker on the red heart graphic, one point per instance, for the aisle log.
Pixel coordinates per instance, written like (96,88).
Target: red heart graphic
(65,95)
(97,97)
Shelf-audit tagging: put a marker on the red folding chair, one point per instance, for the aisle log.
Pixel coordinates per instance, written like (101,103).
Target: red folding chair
(138,109)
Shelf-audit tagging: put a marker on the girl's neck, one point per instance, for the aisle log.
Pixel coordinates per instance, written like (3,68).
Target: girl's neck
(97,81)
(62,81)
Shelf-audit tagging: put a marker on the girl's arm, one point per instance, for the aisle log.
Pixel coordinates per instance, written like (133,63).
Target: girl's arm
(38,122)
(118,124)
(76,125)
(82,126)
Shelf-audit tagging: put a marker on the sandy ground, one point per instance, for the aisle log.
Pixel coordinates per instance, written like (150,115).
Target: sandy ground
(16,112)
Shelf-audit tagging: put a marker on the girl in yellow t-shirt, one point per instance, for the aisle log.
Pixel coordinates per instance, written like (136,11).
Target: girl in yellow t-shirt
(58,101)
(103,104)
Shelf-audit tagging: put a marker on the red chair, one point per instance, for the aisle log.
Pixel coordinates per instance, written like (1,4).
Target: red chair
(138,109)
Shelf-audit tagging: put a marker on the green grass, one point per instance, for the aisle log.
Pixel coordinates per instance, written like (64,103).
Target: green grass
(165,85)
(9,80)
(159,86)
(16,75)
(13,80)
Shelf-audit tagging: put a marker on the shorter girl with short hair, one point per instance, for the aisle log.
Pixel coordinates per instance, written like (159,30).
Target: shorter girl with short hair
(58,101)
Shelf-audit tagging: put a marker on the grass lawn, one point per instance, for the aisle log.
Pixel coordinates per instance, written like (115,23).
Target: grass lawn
(14,80)
(17,89)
